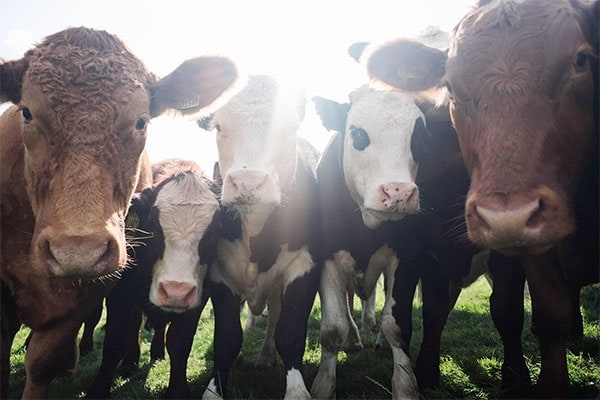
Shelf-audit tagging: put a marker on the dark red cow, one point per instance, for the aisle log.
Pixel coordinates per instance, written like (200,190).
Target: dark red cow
(523,92)
(176,226)
(71,152)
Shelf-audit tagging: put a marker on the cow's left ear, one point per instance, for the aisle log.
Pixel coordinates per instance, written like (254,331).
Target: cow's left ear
(333,115)
(11,80)
(194,85)
(140,206)
(406,64)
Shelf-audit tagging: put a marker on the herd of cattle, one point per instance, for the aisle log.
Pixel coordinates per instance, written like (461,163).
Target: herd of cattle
(498,130)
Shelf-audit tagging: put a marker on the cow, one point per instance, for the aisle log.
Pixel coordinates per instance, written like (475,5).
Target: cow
(176,226)
(268,254)
(71,151)
(522,86)
(390,181)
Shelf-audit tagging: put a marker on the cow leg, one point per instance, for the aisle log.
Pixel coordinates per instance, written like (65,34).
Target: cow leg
(290,334)
(266,357)
(396,325)
(436,308)
(552,306)
(180,337)
(131,358)
(227,340)
(48,353)
(10,325)
(336,321)
(367,318)
(506,307)
(157,346)
(86,343)
(121,318)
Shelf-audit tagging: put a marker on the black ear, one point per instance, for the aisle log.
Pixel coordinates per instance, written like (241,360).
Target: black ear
(333,114)
(206,122)
(11,80)
(357,49)
(421,143)
(140,206)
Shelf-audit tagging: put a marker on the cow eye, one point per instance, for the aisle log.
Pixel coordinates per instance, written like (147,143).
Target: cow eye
(26,114)
(581,60)
(360,138)
(141,124)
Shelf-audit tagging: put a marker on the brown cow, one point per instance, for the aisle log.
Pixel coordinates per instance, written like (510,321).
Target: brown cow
(523,83)
(71,153)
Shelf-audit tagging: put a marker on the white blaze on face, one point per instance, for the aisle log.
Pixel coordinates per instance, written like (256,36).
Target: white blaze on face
(379,167)
(256,139)
(186,208)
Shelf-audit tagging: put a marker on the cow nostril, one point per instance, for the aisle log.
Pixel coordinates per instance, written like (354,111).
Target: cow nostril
(162,293)
(476,220)
(537,215)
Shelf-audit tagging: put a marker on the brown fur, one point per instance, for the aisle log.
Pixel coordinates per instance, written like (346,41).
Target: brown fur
(72,154)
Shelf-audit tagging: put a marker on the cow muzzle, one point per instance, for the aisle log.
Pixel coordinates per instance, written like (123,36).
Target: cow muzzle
(249,187)
(514,223)
(86,256)
(176,296)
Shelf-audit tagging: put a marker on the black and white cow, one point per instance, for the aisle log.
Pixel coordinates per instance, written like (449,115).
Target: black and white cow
(397,161)
(174,230)
(268,254)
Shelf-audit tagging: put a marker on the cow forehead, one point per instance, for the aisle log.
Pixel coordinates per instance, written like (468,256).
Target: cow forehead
(380,112)
(186,189)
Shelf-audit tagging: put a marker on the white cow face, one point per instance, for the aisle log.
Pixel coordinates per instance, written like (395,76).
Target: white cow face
(186,207)
(256,139)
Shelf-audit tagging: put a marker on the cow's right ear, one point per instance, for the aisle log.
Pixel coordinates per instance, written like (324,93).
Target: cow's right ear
(11,80)
(140,206)
(407,64)
(333,115)
(206,122)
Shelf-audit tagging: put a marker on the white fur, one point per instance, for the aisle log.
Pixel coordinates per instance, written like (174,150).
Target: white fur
(186,208)
(389,119)
(211,391)
(294,386)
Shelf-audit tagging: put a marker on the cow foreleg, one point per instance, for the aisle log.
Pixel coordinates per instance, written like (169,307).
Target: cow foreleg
(10,325)
(86,343)
(551,301)
(49,352)
(266,357)
(227,340)
(180,337)
(290,334)
(335,323)
(506,307)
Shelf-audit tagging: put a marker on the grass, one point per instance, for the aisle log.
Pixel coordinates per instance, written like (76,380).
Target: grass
(471,359)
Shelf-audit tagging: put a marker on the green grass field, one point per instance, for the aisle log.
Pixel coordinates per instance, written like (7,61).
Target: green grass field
(470,361)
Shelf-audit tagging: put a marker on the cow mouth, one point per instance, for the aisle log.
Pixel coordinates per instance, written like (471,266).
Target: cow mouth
(374,218)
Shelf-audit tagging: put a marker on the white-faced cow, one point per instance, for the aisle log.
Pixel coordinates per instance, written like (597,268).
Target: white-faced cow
(523,85)
(175,228)
(71,152)
(268,251)
(390,182)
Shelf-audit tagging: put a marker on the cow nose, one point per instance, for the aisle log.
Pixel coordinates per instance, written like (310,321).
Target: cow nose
(173,294)
(83,256)
(245,186)
(505,223)
(399,197)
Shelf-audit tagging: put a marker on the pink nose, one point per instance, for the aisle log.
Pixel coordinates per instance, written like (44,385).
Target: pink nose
(246,185)
(176,294)
(399,197)
(78,256)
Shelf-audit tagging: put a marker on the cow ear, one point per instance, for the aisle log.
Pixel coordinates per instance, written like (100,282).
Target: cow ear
(356,50)
(139,208)
(206,122)
(194,85)
(333,114)
(217,175)
(407,64)
(421,143)
(11,80)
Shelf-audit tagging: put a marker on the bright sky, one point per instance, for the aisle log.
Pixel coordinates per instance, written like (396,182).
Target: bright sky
(302,42)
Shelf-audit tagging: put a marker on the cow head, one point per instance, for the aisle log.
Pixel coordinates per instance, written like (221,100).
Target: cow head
(85,102)
(384,138)
(257,132)
(522,96)
(177,226)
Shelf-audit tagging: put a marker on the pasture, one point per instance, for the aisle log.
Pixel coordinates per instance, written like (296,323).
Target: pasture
(470,367)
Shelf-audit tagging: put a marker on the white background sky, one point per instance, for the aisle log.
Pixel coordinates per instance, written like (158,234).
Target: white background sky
(302,42)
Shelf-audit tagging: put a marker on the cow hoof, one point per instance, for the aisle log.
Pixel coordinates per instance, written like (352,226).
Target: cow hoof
(354,348)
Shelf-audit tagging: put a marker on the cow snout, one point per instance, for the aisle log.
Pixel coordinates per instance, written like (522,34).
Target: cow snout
(176,295)
(399,197)
(248,187)
(78,256)
(531,221)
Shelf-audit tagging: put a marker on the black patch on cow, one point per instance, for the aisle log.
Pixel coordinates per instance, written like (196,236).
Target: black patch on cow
(360,138)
